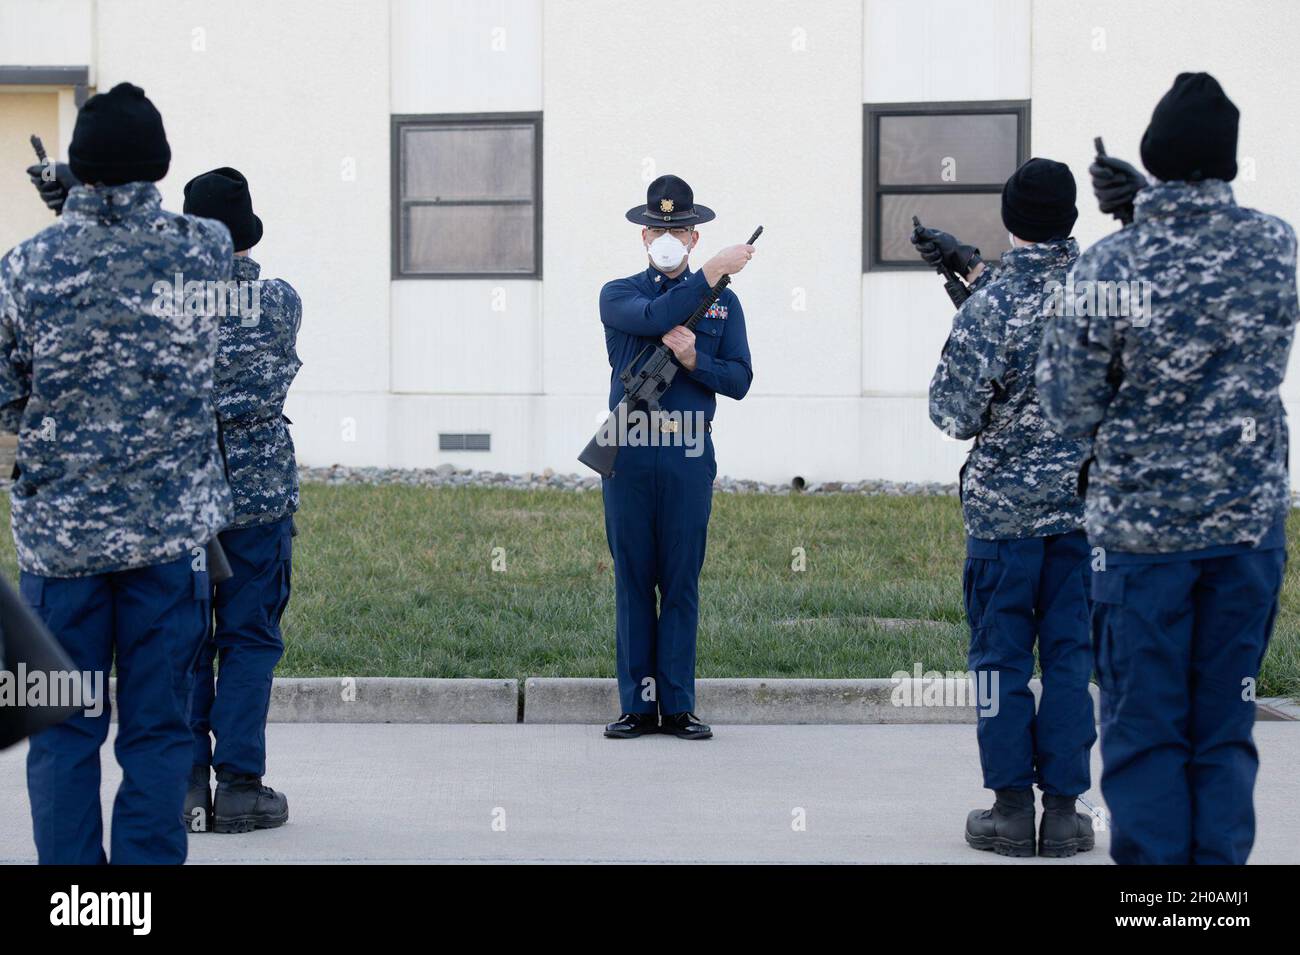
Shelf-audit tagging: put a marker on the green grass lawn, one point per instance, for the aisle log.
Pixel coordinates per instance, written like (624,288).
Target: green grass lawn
(399,581)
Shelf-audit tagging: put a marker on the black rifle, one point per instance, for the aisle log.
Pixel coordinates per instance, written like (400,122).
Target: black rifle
(218,564)
(955,287)
(24,639)
(645,385)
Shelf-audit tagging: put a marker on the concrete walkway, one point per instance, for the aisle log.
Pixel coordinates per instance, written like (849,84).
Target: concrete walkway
(432,793)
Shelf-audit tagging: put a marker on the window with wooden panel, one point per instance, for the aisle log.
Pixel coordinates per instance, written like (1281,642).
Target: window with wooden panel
(945,163)
(467,196)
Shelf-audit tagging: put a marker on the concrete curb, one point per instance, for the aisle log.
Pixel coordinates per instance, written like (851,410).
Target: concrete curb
(373,699)
(1277,708)
(370,699)
(377,699)
(567,700)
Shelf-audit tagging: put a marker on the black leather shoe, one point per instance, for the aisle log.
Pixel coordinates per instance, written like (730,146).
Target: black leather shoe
(197,814)
(1007,828)
(243,804)
(685,726)
(632,725)
(1062,831)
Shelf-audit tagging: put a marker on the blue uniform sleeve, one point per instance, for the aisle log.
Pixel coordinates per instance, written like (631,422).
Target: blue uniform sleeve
(625,308)
(729,372)
(961,392)
(15,361)
(1077,370)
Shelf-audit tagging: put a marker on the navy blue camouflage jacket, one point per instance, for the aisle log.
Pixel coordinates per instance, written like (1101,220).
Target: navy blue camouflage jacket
(109,386)
(1020,478)
(256,363)
(1191,438)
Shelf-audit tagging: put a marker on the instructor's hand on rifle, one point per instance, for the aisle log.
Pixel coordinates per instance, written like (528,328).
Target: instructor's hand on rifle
(682,342)
(1116,184)
(727,262)
(53,180)
(942,248)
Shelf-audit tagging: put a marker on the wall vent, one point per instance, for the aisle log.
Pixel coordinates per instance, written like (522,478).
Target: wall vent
(464,442)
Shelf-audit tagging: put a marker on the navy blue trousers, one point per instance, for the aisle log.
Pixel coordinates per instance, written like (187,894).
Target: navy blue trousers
(1019,592)
(151,622)
(1177,644)
(232,704)
(657,507)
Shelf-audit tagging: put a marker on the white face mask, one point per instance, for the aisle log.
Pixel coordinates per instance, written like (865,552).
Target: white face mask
(667,253)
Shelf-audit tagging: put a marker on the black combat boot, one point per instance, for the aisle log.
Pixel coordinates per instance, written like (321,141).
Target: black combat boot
(1063,832)
(197,814)
(632,725)
(243,804)
(685,726)
(1007,828)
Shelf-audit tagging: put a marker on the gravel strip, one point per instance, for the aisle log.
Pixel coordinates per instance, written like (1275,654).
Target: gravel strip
(445,475)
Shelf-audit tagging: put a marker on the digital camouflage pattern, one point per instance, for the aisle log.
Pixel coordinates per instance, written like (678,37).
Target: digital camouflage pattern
(1020,479)
(111,396)
(1191,437)
(256,364)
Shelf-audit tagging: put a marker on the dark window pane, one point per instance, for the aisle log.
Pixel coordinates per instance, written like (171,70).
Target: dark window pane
(975,218)
(914,150)
(467,162)
(438,239)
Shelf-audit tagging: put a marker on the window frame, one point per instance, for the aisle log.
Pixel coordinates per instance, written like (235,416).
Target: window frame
(400,121)
(872,189)
(76,77)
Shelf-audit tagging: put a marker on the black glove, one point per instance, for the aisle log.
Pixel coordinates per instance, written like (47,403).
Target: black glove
(940,248)
(53,181)
(1115,184)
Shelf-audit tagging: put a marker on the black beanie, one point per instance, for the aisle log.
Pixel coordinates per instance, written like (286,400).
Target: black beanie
(119,138)
(1193,132)
(222,194)
(1038,201)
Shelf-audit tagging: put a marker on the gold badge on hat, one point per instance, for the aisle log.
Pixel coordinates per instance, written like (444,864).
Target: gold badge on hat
(665,205)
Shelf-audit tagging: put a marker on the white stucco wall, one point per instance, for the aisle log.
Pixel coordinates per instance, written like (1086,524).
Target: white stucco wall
(47,33)
(294,94)
(764,122)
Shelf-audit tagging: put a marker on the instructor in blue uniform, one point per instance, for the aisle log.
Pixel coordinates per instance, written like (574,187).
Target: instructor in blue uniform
(658,500)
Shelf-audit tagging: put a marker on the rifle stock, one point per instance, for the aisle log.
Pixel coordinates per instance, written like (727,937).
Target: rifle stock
(600,455)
